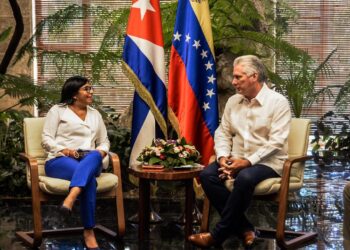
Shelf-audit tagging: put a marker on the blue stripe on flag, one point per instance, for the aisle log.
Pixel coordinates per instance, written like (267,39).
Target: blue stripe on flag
(201,75)
(145,72)
(140,112)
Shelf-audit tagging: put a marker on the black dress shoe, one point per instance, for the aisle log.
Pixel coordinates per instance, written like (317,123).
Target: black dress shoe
(89,248)
(65,211)
(202,240)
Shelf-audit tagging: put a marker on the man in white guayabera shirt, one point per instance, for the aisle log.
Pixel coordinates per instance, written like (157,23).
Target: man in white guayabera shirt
(251,146)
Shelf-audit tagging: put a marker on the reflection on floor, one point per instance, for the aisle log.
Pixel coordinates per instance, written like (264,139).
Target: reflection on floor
(318,207)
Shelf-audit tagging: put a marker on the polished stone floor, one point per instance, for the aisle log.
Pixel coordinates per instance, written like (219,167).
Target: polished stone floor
(318,207)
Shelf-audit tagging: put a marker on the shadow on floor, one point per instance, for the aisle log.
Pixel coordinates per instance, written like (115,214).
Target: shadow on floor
(317,207)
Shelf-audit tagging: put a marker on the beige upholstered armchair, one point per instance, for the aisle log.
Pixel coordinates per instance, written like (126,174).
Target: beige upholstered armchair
(278,189)
(44,188)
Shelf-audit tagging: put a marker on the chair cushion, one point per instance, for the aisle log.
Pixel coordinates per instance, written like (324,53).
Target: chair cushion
(105,182)
(33,128)
(270,186)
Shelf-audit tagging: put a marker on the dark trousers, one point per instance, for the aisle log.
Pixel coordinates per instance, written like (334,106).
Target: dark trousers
(232,205)
(80,174)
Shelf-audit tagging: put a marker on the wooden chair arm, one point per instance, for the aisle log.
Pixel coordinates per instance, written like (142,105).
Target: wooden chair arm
(287,168)
(27,158)
(283,194)
(32,164)
(114,159)
(288,164)
(299,158)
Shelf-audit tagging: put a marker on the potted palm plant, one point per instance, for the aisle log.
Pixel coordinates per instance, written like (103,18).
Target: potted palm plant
(298,81)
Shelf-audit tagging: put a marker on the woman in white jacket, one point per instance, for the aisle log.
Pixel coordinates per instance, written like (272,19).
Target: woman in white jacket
(76,141)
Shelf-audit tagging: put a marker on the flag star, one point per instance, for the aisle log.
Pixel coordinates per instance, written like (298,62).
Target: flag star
(208,65)
(206,106)
(177,36)
(204,53)
(188,38)
(210,92)
(211,79)
(143,5)
(196,44)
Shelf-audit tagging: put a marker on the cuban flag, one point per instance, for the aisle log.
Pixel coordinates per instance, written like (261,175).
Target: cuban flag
(143,62)
(192,89)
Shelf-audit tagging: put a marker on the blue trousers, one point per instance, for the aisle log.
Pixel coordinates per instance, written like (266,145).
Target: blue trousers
(232,205)
(80,174)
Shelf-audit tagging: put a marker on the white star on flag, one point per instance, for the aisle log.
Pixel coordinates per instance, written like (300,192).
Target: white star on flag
(196,44)
(204,53)
(210,92)
(206,106)
(177,36)
(208,65)
(143,5)
(211,79)
(188,38)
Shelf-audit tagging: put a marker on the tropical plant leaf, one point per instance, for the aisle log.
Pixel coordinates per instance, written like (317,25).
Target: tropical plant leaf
(23,88)
(5,34)
(343,98)
(297,80)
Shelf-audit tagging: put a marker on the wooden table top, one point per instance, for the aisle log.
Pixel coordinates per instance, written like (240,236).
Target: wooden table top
(166,173)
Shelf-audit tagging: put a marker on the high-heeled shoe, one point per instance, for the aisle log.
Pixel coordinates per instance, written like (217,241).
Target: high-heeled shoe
(89,248)
(65,211)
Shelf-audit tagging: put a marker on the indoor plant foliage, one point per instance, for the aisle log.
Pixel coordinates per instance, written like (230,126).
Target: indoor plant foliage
(169,153)
(332,139)
(299,81)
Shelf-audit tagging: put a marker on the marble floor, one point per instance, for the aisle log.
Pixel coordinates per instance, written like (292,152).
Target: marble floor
(318,207)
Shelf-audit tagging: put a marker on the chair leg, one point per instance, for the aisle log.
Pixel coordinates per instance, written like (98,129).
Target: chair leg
(38,234)
(36,204)
(120,211)
(299,238)
(34,238)
(205,215)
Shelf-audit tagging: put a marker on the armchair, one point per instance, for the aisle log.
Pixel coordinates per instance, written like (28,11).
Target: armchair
(44,188)
(277,189)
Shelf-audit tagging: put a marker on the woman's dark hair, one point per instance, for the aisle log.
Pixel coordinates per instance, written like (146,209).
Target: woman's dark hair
(71,87)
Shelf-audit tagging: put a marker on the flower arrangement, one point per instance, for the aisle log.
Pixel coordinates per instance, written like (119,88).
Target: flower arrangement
(169,153)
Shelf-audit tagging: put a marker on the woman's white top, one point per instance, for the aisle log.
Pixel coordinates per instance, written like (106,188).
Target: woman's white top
(65,129)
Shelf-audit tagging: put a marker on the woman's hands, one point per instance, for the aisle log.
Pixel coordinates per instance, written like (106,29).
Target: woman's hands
(75,154)
(70,153)
(229,166)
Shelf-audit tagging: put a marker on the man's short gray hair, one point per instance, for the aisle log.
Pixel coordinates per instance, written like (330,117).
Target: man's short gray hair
(252,64)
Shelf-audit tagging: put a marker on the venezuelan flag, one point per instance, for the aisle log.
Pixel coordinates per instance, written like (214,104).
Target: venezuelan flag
(192,88)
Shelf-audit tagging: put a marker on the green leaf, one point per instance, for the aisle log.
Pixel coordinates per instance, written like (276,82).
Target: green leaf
(5,34)
(154,160)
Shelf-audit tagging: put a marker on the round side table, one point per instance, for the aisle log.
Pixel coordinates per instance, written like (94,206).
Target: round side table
(146,176)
